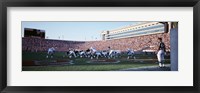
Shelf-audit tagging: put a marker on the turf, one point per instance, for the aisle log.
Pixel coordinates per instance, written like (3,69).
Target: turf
(81,64)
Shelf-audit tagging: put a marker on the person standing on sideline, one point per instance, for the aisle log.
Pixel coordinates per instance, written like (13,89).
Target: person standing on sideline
(161,53)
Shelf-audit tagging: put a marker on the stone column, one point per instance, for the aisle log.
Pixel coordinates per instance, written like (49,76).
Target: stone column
(174,49)
(169,26)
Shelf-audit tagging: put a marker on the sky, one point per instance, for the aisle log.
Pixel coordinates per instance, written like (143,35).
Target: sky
(76,31)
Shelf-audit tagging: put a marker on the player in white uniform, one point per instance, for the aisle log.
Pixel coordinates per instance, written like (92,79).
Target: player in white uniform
(50,52)
(161,53)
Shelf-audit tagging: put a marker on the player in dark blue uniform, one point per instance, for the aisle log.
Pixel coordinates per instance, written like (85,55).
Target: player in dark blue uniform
(161,53)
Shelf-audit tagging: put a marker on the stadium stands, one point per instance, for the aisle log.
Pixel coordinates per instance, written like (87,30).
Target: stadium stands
(137,43)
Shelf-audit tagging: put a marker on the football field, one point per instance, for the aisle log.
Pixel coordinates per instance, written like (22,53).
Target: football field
(37,61)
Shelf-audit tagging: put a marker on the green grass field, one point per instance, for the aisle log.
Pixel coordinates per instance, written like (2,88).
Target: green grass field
(86,64)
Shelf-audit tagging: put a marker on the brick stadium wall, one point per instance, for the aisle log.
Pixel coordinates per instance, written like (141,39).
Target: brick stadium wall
(136,43)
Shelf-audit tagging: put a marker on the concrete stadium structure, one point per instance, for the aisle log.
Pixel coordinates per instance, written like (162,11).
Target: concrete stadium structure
(145,28)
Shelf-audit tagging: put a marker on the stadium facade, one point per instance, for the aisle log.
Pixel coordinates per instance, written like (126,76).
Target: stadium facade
(31,32)
(145,28)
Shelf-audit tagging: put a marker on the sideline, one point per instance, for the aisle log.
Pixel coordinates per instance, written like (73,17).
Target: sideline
(149,68)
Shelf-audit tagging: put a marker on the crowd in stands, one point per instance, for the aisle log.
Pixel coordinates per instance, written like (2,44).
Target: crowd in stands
(135,43)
